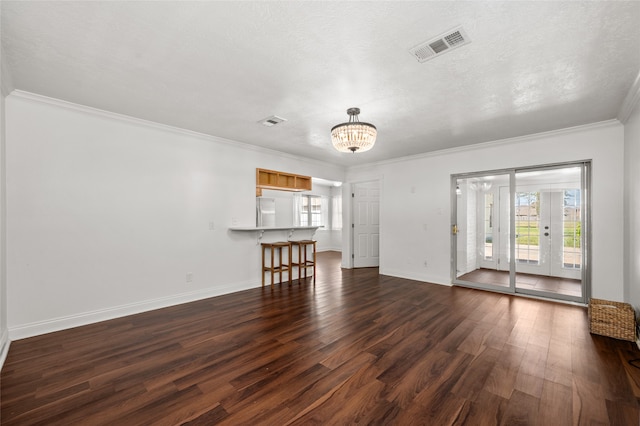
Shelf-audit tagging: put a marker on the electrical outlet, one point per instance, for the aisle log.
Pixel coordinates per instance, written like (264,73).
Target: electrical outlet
(189,277)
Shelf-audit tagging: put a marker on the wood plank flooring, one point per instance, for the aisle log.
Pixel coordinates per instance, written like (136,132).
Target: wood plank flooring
(355,348)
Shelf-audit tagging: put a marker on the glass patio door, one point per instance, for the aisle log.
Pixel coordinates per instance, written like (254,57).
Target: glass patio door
(482,231)
(522,231)
(548,255)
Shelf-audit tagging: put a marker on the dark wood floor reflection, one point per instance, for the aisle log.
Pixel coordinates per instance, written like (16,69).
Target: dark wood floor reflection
(548,284)
(355,348)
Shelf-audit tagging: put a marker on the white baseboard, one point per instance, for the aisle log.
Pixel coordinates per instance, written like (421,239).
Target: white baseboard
(4,346)
(409,276)
(62,323)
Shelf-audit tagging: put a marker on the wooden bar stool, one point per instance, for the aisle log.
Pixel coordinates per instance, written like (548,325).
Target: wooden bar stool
(276,250)
(303,262)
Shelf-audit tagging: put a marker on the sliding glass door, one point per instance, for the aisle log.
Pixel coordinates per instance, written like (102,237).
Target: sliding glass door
(482,230)
(522,230)
(548,217)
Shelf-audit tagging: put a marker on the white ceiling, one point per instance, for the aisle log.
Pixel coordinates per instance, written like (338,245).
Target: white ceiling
(220,67)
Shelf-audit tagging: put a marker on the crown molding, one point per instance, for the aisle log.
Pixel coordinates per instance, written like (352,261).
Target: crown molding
(499,142)
(631,101)
(167,128)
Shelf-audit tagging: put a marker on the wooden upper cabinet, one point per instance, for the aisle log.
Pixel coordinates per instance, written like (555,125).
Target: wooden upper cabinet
(271,179)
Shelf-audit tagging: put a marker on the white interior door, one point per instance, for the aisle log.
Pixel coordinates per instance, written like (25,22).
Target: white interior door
(366,224)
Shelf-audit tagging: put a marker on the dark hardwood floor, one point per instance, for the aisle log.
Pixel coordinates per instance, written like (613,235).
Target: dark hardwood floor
(355,348)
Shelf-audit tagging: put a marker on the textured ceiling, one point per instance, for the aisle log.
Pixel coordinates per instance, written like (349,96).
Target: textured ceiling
(220,67)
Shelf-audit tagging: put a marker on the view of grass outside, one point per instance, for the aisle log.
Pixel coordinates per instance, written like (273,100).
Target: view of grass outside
(572,234)
(528,229)
(528,233)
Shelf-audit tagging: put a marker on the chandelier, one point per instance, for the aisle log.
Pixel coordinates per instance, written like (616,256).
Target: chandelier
(354,135)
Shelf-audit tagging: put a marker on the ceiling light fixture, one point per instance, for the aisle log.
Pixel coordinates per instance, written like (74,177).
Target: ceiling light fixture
(354,135)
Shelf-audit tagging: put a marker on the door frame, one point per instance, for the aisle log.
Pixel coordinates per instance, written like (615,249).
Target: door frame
(585,237)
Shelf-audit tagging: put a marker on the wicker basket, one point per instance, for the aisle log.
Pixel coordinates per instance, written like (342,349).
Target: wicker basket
(612,319)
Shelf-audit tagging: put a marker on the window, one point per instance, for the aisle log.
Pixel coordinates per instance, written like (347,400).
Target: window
(336,213)
(311,211)
(318,210)
(528,227)
(571,230)
(488,226)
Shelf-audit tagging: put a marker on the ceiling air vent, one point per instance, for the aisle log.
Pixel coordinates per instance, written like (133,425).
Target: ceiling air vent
(440,44)
(272,121)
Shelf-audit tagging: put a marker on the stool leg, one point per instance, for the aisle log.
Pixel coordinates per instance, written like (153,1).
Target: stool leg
(280,260)
(305,261)
(272,267)
(314,262)
(290,270)
(299,262)
(263,266)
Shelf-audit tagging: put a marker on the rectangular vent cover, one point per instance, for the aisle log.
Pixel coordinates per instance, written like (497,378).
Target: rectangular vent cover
(272,121)
(440,45)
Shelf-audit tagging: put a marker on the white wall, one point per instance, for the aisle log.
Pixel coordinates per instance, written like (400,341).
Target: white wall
(107,215)
(632,208)
(5,89)
(335,232)
(416,203)
(4,330)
